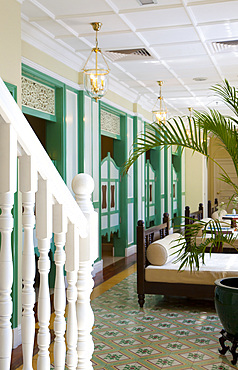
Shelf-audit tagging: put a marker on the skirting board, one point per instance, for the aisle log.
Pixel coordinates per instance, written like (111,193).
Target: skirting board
(98,266)
(130,250)
(16,337)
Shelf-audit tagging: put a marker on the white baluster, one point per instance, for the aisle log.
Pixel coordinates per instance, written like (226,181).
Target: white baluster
(83,186)
(59,229)
(43,234)
(27,185)
(71,266)
(8,161)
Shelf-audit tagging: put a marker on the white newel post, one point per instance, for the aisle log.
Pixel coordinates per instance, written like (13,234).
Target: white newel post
(43,234)
(71,266)
(28,187)
(8,170)
(83,186)
(59,229)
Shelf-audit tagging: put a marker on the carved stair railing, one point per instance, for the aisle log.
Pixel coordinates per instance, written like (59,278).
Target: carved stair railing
(75,230)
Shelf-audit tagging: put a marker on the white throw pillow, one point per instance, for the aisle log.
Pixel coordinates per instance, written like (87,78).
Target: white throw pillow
(199,234)
(215,215)
(160,251)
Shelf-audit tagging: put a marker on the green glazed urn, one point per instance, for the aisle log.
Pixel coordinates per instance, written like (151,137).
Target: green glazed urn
(226,303)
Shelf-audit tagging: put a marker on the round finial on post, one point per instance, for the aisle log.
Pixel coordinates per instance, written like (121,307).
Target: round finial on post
(83,186)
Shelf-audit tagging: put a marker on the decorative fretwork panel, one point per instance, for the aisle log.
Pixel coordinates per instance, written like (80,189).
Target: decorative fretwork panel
(38,96)
(110,123)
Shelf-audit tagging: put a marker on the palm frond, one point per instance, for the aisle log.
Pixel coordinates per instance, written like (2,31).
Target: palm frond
(228,94)
(191,253)
(173,132)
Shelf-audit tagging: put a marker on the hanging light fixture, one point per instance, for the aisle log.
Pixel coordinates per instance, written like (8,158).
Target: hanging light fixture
(96,76)
(159,111)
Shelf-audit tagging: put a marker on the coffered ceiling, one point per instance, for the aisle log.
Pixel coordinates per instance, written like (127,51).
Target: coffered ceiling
(179,35)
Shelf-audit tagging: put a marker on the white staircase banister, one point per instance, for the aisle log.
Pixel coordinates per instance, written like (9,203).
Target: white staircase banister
(30,145)
(49,206)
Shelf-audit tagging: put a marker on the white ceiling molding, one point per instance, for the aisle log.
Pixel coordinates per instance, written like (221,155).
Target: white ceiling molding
(49,46)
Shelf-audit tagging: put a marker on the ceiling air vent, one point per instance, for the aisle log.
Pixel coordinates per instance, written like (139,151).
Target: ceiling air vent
(225,45)
(128,54)
(147,2)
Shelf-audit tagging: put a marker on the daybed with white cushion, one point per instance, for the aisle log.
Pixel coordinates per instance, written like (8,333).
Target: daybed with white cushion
(157,274)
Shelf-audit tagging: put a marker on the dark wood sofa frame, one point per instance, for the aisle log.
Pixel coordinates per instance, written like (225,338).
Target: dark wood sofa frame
(211,208)
(144,238)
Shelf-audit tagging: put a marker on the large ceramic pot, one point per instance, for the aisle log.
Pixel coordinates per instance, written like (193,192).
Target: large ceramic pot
(226,303)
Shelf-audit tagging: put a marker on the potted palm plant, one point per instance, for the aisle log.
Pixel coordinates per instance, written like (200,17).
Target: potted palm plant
(175,132)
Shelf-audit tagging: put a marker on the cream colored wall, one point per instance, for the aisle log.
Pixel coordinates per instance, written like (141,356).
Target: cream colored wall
(119,100)
(215,151)
(46,61)
(10,43)
(194,164)
(138,109)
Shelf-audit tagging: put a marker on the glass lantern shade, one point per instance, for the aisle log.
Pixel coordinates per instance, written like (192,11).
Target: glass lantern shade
(159,116)
(96,82)
(96,70)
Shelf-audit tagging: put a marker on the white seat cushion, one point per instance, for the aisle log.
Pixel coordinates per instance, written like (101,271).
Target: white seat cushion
(217,266)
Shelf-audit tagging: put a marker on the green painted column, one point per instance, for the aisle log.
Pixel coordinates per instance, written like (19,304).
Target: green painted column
(155,157)
(81,111)
(120,156)
(135,133)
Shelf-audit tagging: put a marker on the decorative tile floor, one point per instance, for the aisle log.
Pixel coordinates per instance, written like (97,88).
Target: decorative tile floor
(168,333)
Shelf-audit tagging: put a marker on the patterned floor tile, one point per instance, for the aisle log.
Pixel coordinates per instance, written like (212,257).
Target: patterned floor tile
(170,332)
(154,337)
(165,362)
(132,366)
(195,356)
(110,357)
(127,342)
(123,322)
(138,329)
(110,333)
(182,333)
(101,346)
(144,351)
(207,328)
(202,341)
(165,325)
(174,346)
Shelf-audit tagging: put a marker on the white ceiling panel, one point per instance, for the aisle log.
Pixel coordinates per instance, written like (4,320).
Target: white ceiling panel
(158,18)
(82,25)
(81,7)
(53,27)
(74,43)
(190,61)
(185,103)
(170,35)
(134,4)
(122,40)
(225,31)
(227,59)
(216,11)
(146,70)
(198,71)
(175,93)
(201,88)
(31,11)
(180,50)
